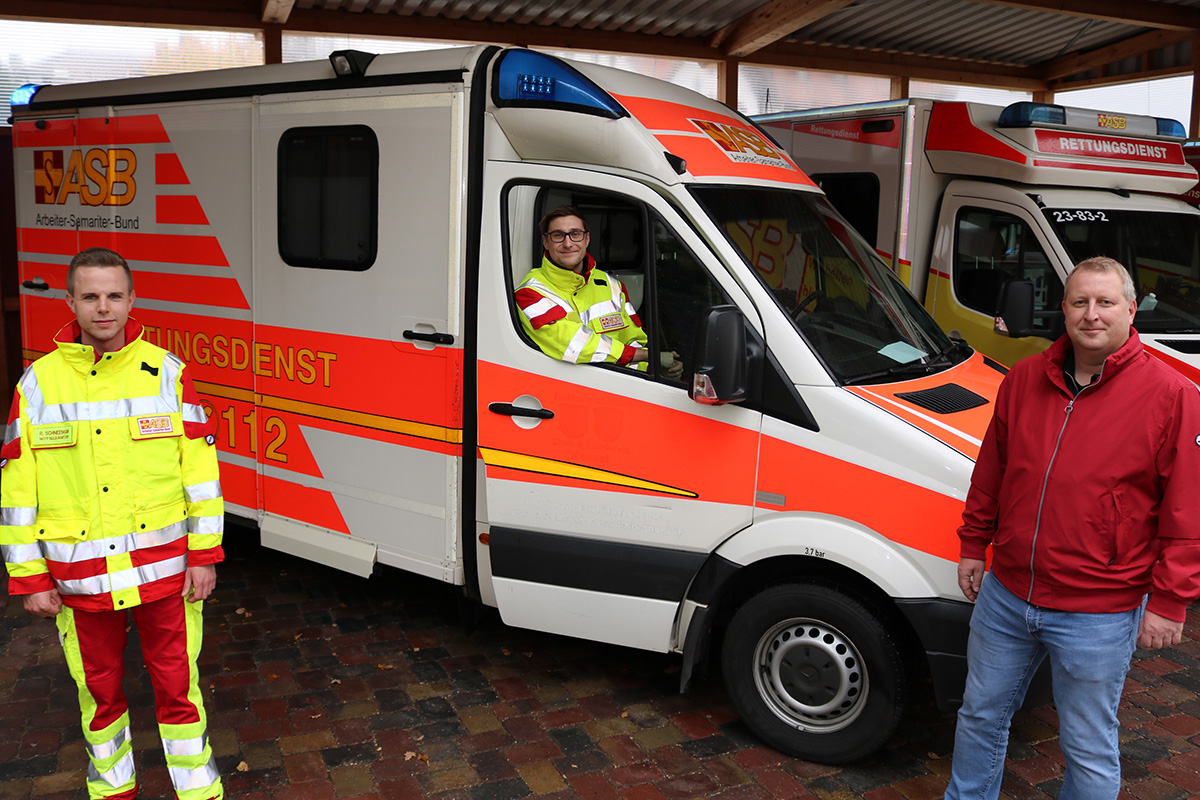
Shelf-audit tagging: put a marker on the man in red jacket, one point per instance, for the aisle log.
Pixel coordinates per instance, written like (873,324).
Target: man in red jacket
(1085,490)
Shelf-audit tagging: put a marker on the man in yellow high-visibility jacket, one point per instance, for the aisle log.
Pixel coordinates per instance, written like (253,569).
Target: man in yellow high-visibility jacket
(575,311)
(111,502)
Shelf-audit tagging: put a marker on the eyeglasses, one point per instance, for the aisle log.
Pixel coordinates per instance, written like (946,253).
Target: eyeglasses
(559,236)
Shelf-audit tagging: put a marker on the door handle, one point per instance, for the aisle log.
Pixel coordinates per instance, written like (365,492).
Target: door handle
(38,284)
(436,338)
(509,410)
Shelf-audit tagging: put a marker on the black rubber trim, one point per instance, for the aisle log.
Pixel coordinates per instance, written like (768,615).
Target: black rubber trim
(634,570)
(469,515)
(254,89)
(996,365)
(942,627)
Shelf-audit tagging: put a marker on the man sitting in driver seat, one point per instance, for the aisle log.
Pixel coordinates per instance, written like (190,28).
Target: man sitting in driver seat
(575,311)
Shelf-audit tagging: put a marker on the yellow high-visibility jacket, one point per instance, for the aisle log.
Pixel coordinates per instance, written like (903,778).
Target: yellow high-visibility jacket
(110,480)
(580,318)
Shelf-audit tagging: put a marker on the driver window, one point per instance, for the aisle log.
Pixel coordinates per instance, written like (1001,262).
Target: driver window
(991,247)
(645,292)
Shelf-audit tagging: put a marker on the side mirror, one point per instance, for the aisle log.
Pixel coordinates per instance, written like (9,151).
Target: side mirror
(722,371)
(1014,309)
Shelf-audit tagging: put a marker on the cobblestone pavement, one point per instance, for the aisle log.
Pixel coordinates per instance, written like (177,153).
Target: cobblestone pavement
(324,685)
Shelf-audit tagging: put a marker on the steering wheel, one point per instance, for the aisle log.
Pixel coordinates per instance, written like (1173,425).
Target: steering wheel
(803,304)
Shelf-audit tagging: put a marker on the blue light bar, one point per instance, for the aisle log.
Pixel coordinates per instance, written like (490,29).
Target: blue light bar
(528,78)
(1170,127)
(23,95)
(1025,113)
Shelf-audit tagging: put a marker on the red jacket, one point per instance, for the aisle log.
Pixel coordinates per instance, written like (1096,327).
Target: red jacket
(1091,502)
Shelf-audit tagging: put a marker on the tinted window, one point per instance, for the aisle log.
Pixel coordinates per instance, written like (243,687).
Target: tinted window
(329,197)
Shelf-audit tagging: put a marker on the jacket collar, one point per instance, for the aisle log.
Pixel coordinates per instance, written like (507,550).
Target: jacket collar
(1055,358)
(565,279)
(83,356)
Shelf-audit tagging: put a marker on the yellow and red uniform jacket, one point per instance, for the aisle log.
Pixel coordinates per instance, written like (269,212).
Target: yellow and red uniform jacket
(110,481)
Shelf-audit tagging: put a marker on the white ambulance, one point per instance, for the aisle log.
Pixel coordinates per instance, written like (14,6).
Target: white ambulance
(964,197)
(333,248)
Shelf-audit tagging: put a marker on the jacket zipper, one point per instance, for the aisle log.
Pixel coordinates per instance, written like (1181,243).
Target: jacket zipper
(1037,527)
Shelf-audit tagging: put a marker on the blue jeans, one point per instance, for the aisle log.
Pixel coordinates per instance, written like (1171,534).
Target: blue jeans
(1089,656)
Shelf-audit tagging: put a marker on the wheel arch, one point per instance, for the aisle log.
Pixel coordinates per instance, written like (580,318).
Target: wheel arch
(852,558)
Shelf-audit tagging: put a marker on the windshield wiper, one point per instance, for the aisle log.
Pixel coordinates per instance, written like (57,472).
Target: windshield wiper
(899,370)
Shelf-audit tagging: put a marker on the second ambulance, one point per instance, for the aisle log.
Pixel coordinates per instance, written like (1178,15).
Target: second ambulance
(966,197)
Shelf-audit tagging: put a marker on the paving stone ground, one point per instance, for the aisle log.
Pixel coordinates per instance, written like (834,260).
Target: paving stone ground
(322,685)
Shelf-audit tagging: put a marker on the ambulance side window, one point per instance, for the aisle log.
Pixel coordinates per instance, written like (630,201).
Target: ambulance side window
(991,247)
(328,197)
(665,283)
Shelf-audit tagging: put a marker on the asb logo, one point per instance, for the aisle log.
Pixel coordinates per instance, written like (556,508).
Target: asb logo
(1114,121)
(97,177)
(743,145)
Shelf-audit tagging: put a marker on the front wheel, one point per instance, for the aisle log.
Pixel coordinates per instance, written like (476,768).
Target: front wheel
(815,673)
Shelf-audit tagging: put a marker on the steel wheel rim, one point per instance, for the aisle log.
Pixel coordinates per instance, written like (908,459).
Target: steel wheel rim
(810,675)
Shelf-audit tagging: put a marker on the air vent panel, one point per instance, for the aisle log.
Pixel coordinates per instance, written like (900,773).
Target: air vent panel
(948,398)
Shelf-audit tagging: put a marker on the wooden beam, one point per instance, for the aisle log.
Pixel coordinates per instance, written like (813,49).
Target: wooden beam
(900,89)
(771,22)
(1146,14)
(869,62)
(276,11)
(1074,63)
(1115,80)
(1044,97)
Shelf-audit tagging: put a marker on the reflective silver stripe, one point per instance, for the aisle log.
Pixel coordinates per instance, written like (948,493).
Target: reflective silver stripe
(535,310)
(20,553)
(118,776)
(603,349)
(576,345)
(171,367)
(185,747)
(209,490)
(547,293)
(124,579)
(194,413)
(206,525)
(596,310)
(102,410)
(12,431)
(18,515)
(114,545)
(184,779)
(108,749)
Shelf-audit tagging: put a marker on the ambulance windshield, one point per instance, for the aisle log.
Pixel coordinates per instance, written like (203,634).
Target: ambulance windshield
(857,316)
(1162,250)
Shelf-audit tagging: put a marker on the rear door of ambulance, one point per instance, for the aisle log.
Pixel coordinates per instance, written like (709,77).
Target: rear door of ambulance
(357,326)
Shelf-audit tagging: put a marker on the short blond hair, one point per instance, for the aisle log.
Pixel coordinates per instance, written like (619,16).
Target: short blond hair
(1109,265)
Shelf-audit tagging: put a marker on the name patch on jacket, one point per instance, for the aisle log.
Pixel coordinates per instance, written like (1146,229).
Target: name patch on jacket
(159,425)
(611,322)
(45,436)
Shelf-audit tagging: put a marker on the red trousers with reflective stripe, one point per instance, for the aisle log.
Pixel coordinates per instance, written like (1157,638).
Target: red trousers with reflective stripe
(161,629)
(101,637)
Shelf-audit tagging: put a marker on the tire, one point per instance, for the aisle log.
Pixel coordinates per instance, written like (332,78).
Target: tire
(815,673)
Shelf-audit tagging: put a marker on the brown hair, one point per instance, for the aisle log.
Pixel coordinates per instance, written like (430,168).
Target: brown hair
(562,211)
(97,257)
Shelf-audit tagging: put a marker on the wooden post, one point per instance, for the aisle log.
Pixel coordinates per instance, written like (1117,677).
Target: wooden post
(272,44)
(727,82)
(1046,96)
(1194,117)
(900,88)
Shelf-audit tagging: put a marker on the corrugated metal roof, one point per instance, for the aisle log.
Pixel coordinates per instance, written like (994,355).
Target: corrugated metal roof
(957,29)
